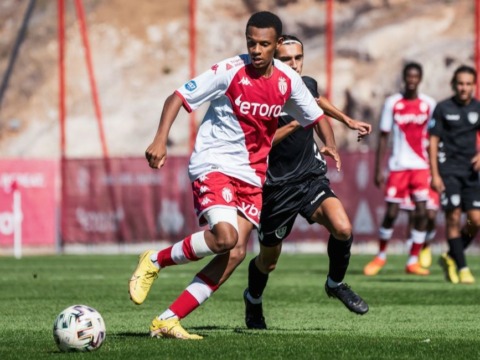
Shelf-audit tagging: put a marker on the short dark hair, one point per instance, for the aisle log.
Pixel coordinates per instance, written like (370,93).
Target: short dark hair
(265,19)
(412,65)
(464,69)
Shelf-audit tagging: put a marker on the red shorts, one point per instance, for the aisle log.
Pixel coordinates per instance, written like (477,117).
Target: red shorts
(216,189)
(433,202)
(414,184)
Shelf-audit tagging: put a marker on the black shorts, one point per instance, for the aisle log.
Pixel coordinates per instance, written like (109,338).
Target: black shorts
(461,191)
(282,204)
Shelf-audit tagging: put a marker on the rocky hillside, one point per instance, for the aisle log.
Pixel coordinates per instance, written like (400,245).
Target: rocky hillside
(140,54)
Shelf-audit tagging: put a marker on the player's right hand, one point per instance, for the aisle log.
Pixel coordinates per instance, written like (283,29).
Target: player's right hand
(156,155)
(379,179)
(437,184)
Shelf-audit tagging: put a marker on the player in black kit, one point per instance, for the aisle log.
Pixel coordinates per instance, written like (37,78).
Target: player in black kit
(455,164)
(297,184)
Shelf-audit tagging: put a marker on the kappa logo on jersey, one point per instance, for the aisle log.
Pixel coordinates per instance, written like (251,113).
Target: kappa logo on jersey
(204,189)
(202,178)
(245,81)
(191,85)
(227,194)
(252,108)
(280,233)
(205,201)
(472,117)
(452,117)
(282,85)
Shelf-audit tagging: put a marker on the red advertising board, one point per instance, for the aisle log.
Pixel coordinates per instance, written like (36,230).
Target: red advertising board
(28,202)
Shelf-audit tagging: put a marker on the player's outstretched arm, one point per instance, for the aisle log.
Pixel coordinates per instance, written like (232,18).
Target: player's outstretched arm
(363,128)
(156,153)
(284,131)
(325,133)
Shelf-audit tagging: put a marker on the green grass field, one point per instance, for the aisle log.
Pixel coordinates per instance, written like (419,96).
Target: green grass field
(409,317)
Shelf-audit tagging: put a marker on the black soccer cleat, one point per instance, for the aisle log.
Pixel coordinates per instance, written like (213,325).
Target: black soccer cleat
(253,314)
(348,297)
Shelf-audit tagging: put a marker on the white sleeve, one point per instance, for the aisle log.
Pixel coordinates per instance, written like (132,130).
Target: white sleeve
(209,85)
(386,119)
(302,105)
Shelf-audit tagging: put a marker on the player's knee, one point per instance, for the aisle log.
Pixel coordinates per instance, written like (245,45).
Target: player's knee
(343,232)
(226,238)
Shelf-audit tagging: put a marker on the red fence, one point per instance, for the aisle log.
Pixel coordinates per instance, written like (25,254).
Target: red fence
(124,201)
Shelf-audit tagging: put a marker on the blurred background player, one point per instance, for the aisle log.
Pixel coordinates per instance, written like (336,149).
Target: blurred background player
(296,184)
(455,164)
(406,115)
(228,165)
(433,205)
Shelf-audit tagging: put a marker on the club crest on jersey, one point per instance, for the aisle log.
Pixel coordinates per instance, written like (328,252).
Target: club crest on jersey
(227,194)
(399,106)
(191,85)
(280,233)
(472,117)
(282,85)
(423,107)
(214,68)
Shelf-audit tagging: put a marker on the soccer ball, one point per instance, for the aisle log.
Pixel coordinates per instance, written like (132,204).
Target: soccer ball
(79,328)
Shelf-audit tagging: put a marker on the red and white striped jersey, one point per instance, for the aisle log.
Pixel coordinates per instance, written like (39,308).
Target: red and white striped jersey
(236,134)
(408,119)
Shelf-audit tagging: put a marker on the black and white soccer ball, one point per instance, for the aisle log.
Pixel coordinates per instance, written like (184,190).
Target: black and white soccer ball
(79,328)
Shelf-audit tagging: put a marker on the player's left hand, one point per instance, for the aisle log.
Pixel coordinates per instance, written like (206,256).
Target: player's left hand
(363,128)
(332,152)
(476,162)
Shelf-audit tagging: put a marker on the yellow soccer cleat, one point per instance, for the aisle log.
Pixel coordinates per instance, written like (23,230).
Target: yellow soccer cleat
(416,269)
(374,266)
(425,257)
(449,268)
(466,276)
(143,277)
(171,328)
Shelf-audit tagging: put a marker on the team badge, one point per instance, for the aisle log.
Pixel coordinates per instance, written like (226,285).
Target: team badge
(280,233)
(472,117)
(399,106)
(227,194)
(282,85)
(191,85)
(214,68)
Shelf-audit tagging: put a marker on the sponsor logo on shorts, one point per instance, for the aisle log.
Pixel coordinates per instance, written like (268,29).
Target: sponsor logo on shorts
(476,203)
(317,197)
(191,85)
(455,199)
(227,194)
(280,233)
(251,210)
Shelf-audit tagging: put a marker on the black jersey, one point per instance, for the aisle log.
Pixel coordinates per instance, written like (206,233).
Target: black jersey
(296,157)
(456,125)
